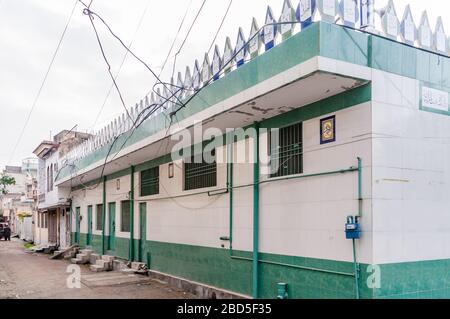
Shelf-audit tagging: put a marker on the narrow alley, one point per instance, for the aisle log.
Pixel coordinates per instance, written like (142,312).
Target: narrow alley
(25,275)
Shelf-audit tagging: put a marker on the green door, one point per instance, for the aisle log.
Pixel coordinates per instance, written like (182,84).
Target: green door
(112,226)
(89,234)
(77,225)
(142,231)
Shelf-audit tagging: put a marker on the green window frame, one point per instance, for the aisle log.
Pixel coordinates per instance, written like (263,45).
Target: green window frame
(150,182)
(125,212)
(99,217)
(199,174)
(286,158)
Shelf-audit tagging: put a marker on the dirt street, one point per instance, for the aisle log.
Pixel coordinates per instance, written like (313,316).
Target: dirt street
(28,275)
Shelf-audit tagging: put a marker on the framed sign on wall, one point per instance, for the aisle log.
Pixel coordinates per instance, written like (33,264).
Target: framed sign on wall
(328,130)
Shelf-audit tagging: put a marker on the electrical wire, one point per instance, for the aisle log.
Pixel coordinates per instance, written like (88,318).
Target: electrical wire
(44,81)
(176,37)
(92,14)
(91,19)
(122,63)
(220,26)
(187,36)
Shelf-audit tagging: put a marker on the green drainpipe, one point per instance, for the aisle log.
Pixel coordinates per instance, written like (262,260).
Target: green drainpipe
(360,198)
(256,212)
(360,212)
(230,189)
(131,254)
(103,214)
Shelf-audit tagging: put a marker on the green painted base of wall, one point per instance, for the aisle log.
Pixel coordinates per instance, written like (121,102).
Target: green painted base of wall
(212,266)
(415,280)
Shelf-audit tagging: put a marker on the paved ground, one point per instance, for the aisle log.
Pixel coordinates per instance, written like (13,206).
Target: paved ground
(29,275)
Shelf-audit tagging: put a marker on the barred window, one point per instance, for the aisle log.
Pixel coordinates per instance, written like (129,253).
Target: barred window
(286,156)
(125,216)
(99,217)
(150,182)
(200,174)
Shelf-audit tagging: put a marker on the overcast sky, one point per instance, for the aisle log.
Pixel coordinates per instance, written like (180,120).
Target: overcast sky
(78,82)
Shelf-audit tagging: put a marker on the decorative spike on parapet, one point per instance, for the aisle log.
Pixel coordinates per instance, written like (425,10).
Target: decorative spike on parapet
(440,39)
(206,70)
(136,109)
(328,10)
(180,86)
(305,12)
(367,14)
(124,124)
(408,30)
(348,12)
(228,56)
(152,99)
(425,34)
(142,105)
(448,44)
(254,44)
(268,33)
(159,99)
(241,49)
(173,91)
(187,82)
(216,64)
(287,15)
(166,97)
(196,77)
(389,21)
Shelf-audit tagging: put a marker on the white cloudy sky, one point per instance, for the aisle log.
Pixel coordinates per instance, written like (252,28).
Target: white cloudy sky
(78,82)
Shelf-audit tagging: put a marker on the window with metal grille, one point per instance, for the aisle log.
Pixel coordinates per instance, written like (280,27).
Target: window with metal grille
(286,156)
(150,182)
(200,174)
(125,216)
(99,217)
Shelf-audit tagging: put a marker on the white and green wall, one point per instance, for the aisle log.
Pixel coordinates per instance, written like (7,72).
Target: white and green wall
(405,176)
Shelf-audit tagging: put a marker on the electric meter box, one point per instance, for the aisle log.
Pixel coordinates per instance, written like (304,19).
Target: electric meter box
(352,228)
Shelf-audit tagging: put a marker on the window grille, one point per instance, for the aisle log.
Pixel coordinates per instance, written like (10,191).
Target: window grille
(286,158)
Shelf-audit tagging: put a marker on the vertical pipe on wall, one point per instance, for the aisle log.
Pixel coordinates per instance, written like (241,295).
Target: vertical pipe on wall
(256,211)
(360,198)
(131,253)
(360,212)
(103,214)
(230,187)
(355,269)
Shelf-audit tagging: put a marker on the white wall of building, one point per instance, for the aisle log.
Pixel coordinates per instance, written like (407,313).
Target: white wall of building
(411,174)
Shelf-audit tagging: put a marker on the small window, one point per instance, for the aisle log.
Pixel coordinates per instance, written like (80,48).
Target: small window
(200,174)
(286,156)
(99,217)
(125,216)
(150,182)
(44,220)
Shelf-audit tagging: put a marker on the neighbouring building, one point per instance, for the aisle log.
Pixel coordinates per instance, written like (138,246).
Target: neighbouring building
(17,204)
(52,218)
(350,139)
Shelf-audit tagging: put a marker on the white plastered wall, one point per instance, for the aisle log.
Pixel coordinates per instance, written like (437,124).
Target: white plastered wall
(411,174)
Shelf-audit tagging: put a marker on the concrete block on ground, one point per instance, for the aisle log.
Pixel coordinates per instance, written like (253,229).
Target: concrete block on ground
(108,258)
(137,265)
(119,265)
(96,268)
(93,258)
